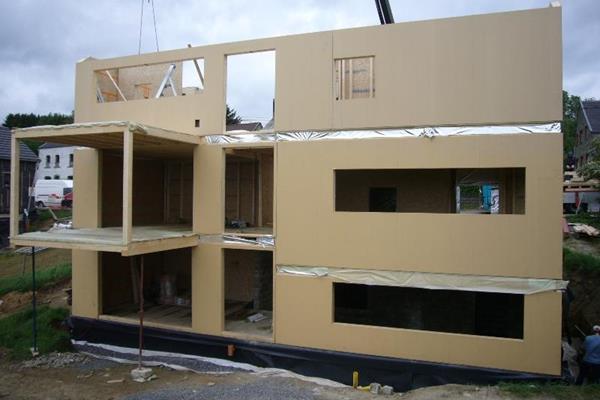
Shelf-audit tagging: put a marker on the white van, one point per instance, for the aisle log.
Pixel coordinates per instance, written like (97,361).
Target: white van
(50,192)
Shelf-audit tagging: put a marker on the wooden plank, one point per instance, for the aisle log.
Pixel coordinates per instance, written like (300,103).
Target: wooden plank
(67,245)
(153,246)
(15,186)
(127,186)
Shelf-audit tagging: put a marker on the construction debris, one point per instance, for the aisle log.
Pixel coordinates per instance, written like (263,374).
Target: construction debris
(54,360)
(256,317)
(142,374)
(583,229)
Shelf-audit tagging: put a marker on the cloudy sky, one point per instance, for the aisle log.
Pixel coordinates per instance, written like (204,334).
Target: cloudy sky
(41,40)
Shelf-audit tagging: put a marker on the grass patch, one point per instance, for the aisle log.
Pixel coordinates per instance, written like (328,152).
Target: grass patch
(45,277)
(16,332)
(574,260)
(558,391)
(592,219)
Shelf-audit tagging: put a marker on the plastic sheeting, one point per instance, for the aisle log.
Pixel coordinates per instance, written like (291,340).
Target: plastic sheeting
(338,366)
(261,241)
(430,132)
(425,280)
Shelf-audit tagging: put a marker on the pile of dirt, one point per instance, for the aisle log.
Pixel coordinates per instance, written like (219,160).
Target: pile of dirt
(584,309)
(54,295)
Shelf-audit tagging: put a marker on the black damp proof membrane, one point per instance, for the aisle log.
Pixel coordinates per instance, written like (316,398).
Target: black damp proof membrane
(402,374)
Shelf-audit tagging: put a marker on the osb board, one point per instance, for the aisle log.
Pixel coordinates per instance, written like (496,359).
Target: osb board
(526,245)
(308,323)
(239,273)
(454,71)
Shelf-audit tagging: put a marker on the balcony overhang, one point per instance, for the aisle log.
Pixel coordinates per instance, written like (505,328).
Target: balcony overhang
(147,140)
(144,239)
(126,138)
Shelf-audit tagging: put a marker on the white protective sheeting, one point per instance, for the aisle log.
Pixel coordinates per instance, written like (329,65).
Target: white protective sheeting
(429,132)
(267,242)
(425,280)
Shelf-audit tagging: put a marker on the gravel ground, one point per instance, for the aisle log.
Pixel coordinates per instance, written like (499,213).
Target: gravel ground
(268,389)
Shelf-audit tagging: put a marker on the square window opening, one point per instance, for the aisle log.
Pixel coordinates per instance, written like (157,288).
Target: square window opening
(354,78)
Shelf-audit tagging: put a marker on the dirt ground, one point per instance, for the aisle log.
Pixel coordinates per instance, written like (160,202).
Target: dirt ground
(95,379)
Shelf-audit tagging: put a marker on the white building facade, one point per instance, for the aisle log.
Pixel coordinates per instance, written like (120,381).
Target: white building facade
(55,162)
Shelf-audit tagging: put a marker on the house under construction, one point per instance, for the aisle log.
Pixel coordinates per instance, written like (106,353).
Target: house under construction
(345,235)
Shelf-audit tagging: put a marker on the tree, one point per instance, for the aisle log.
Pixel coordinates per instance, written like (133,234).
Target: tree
(19,120)
(232,117)
(571,106)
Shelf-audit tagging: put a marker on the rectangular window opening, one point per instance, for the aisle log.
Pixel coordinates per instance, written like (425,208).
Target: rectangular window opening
(464,191)
(248,306)
(250,91)
(178,78)
(249,191)
(167,287)
(354,78)
(473,313)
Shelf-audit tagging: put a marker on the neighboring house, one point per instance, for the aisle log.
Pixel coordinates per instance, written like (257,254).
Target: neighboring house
(245,126)
(27,168)
(335,241)
(588,128)
(580,195)
(56,161)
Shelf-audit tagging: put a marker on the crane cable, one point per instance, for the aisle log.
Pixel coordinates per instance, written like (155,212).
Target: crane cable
(142,24)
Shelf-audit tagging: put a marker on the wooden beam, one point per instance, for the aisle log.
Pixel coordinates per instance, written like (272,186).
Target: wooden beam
(127,186)
(15,186)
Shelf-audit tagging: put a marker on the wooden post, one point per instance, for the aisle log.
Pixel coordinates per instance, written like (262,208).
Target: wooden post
(127,185)
(15,186)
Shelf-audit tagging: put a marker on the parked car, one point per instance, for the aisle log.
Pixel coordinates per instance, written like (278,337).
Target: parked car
(67,201)
(51,192)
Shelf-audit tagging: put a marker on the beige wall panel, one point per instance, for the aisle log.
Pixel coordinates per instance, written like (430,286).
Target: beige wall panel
(485,69)
(87,187)
(309,323)
(526,245)
(209,168)
(207,289)
(496,68)
(86,282)
(304,86)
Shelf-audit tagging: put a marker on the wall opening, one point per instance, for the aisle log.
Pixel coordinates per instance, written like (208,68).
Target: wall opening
(248,307)
(354,78)
(178,78)
(473,313)
(251,89)
(473,191)
(162,190)
(167,287)
(249,191)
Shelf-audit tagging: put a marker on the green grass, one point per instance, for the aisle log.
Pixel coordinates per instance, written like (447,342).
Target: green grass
(16,332)
(44,277)
(573,260)
(585,218)
(558,391)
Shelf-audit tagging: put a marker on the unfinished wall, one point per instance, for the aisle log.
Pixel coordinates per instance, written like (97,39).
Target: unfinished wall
(419,67)
(310,323)
(523,245)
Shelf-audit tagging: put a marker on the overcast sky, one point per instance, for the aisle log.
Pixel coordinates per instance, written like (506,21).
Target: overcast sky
(41,40)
